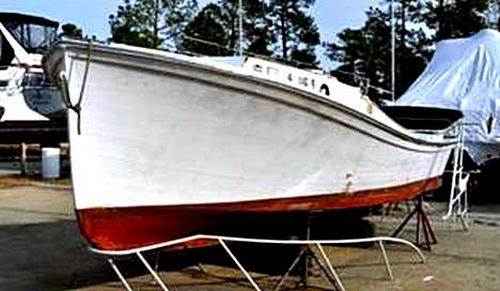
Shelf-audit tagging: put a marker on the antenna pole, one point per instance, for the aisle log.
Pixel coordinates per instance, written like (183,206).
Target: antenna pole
(393,52)
(240,14)
(155,29)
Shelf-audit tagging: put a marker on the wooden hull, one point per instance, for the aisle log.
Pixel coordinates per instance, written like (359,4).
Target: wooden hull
(132,227)
(167,146)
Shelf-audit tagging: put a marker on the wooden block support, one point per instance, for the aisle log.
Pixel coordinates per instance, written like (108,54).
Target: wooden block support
(23,163)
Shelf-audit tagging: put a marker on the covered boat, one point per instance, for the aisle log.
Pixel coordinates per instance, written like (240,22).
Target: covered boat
(464,75)
(164,145)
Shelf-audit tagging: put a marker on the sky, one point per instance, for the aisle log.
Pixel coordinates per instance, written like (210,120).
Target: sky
(92,15)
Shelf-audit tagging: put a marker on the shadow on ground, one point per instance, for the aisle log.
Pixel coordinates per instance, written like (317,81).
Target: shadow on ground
(47,256)
(53,256)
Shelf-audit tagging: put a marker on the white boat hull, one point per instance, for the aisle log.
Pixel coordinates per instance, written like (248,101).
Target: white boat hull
(159,132)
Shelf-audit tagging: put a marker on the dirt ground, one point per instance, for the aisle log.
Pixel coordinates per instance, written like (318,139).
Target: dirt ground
(41,249)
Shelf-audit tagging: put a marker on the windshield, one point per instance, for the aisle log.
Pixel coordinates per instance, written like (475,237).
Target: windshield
(34,38)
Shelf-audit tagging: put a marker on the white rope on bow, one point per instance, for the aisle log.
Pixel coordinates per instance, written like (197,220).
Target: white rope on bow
(65,88)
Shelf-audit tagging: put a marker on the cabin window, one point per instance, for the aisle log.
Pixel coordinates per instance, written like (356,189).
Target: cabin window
(324,89)
(290,77)
(257,68)
(313,83)
(34,38)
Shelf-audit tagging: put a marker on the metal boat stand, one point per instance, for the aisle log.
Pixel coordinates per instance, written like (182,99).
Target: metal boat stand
(394,206)
(305,256)
(422,222)
(223,241)
(304,259)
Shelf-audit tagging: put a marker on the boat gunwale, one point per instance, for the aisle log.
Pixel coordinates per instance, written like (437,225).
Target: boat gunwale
(110,57)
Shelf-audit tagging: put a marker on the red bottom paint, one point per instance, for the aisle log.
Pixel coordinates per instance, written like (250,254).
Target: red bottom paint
(132,227)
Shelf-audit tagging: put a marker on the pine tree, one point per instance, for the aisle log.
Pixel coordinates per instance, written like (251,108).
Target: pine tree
(365,53)
(257,28)
(70,30)
(295,29)
(219,24)
(458,18)
(206,34)
(149,23)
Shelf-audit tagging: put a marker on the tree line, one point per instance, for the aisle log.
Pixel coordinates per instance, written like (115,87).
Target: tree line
(282,28)
(420,24)
(286,31)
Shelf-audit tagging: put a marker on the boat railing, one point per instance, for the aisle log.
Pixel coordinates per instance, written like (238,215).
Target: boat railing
(325,263)
(359,79)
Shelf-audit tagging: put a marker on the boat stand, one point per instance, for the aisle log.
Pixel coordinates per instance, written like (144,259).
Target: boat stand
(307,256)
(422,222)
(395,206)
(325,263)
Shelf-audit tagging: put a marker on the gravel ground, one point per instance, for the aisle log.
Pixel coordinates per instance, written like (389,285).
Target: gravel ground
(42,250)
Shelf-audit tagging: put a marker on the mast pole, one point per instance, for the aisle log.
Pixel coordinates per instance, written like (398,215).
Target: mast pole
(240,14)
(393,53)
(155,29)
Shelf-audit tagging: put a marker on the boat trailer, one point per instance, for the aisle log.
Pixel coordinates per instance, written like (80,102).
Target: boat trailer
(309,245)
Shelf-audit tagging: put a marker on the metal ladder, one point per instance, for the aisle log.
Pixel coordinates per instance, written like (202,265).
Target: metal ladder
(458,206)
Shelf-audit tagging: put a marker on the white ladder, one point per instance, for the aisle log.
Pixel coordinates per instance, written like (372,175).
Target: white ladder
(458,205)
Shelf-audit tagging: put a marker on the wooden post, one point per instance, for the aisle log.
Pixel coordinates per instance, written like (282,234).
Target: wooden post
(23,163)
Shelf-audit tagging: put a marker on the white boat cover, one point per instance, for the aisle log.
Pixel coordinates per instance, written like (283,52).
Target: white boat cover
(464,74)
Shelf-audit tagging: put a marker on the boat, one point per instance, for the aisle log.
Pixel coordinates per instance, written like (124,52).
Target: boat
(26,95)
(464,74)
(165,145)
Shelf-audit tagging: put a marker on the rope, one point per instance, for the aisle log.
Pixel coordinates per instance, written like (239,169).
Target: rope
(227,48)
(77,108)
(65,89)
